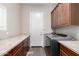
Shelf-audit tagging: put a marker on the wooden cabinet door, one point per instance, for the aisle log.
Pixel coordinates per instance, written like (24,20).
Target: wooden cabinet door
(54,18)
(19,52)
(60,17)
(53,22)
(75,13)
(63,14)
(66,14)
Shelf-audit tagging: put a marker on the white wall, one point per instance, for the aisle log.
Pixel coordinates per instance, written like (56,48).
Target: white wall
(26,9)
(25,19)
(70,30)
(13,20)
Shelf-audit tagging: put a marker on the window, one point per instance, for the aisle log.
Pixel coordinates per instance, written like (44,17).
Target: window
(3,18)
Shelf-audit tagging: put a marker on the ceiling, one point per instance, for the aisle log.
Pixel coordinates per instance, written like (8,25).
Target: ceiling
(39,4)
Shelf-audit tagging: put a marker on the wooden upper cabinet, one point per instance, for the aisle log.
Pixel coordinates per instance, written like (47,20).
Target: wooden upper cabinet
(75,13)
(65,14)
(54,16)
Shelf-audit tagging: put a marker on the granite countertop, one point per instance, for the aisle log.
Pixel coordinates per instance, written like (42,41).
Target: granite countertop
(72,45)
(7,44)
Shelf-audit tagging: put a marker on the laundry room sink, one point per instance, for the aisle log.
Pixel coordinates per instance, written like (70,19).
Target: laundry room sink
(60,37)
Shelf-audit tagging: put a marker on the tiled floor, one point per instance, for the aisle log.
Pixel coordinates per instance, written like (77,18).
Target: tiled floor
(36,52)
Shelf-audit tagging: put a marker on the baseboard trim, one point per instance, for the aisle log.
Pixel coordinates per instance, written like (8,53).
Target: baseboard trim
(36,46)
(46,46)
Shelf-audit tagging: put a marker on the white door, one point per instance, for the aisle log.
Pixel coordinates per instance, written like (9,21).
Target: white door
(36,29)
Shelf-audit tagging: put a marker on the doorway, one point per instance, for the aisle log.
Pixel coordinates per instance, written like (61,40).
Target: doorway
(36,28)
